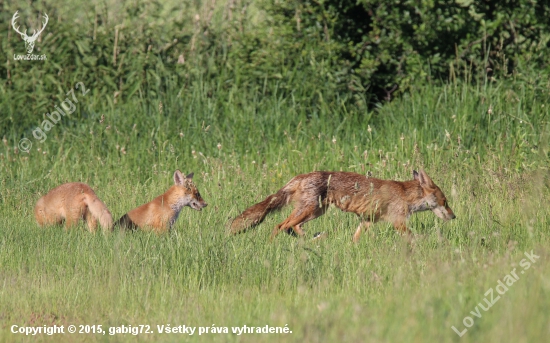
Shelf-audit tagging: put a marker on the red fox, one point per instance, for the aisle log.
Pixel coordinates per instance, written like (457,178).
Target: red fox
(71,202)
(160,214)
(371,199)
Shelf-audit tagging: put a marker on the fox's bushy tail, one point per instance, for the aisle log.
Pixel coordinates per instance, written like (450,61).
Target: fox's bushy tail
(100,212)
(255,214)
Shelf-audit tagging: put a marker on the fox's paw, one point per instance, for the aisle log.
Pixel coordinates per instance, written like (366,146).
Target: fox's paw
(319,236)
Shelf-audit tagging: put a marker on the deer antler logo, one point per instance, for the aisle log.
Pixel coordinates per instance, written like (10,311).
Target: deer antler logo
(29,41)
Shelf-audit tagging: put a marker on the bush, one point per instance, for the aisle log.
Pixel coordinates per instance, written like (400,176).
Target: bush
(391,45)
(319,54)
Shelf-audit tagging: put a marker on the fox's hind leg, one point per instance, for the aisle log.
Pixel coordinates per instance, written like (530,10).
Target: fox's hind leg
(297,218)
(293,221)
(319,211)
(91,221)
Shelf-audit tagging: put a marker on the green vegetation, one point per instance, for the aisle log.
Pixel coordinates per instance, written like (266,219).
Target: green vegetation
(245,131)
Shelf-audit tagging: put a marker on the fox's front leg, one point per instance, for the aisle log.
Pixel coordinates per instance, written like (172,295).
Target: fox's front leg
(365,224)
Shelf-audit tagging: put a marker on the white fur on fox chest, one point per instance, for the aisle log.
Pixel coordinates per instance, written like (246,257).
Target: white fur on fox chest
(177,207)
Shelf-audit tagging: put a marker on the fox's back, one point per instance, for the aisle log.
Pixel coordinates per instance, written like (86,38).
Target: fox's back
(68,194)
(66,200)
(339,182)
(352,192)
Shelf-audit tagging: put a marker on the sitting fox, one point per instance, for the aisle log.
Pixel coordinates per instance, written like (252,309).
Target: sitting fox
(160,214)
(71,202)
(371,199)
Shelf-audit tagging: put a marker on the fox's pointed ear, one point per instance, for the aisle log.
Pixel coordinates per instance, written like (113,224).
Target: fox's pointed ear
(415,175)
(190,176)
(178,178)
(425,179)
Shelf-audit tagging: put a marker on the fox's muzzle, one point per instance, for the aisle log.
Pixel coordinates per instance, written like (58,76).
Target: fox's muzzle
(198,206)
(450,213)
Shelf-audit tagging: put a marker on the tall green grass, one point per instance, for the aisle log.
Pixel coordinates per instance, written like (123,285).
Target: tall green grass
(485,146)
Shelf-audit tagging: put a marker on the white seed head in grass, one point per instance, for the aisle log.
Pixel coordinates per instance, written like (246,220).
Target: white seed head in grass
(219,146)
(454,191)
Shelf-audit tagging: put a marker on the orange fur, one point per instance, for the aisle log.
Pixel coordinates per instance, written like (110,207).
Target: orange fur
(160,214)
(71,202)
(371,199)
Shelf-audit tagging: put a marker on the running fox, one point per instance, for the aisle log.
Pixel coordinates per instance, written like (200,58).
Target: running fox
(160,214)
(71,202)
(371,199)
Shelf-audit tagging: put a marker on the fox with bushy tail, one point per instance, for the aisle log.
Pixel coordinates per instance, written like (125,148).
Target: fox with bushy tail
(371,199)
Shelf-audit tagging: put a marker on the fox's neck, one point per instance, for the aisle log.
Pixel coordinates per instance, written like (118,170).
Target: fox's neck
(419,202)
(176,204)
(179,204)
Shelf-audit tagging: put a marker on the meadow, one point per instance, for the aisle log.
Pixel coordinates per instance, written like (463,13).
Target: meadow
(483,140)
(485,146)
